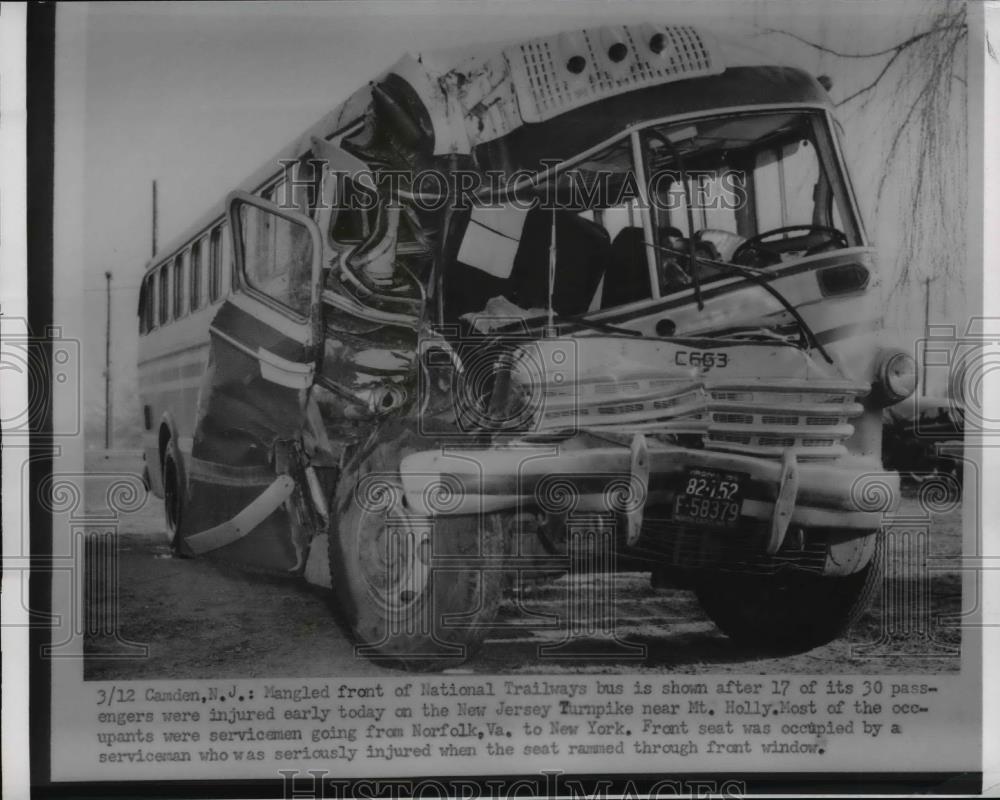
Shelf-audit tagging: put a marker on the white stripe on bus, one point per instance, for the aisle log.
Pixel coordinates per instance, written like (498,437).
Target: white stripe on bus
(274,368)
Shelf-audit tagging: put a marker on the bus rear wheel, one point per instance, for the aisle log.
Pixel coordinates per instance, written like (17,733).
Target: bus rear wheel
(417,593)
(789,611)
(174,495)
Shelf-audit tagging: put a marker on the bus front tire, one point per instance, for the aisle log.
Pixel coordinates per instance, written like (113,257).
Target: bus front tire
(416,592)
(789,611)
(174,496)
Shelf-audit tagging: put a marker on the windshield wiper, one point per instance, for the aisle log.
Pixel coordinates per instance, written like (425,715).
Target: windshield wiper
(596,325)
(762,279)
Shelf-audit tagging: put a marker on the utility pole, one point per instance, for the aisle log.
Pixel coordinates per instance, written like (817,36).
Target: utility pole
(107,368)
(154,220)
(927,333)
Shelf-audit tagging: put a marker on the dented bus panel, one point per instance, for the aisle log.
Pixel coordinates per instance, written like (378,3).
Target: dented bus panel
(606,289)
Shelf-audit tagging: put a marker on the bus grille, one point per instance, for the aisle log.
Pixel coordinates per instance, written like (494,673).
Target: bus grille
(811,418)
(766,422)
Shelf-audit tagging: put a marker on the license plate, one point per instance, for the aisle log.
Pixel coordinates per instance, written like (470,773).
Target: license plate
(710,497)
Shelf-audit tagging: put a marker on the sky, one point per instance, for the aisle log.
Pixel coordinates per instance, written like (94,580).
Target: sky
(198,95)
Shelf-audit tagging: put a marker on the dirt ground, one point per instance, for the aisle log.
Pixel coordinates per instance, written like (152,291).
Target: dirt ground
(198,618)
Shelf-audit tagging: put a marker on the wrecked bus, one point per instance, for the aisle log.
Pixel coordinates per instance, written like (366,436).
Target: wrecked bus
(601,298)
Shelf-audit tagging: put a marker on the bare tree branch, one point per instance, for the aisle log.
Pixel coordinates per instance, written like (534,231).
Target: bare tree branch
(894,49)
(894,52)
(923,85)
(874,83)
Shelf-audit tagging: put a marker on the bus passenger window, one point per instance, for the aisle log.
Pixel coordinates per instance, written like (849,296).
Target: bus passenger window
(178,286)
(302,190)
(280,194)
(164,294)
(226,261)
(273,193)
(150,298)
(143,294)
(144,306)
(215,264)
(150,301)
(354,216)
(195,270)
(277,258)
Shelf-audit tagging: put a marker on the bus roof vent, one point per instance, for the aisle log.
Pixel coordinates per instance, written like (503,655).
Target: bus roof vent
(555,74)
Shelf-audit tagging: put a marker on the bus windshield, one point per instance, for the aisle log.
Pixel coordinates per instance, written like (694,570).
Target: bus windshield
(763,188)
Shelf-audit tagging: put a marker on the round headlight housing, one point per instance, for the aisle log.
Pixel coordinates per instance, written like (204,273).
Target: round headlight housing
(897,376)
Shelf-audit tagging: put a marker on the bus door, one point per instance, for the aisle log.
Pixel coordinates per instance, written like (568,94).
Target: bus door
(265,341)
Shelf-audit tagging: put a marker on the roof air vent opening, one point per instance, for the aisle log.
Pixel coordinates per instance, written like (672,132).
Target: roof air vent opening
(612,42)
(573,56)
(617,52)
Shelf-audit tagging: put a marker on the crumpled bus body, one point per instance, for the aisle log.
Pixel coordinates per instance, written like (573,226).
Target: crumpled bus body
(704,396)
(794,429)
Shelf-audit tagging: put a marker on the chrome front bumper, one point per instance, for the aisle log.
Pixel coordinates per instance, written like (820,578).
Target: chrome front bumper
(578,476)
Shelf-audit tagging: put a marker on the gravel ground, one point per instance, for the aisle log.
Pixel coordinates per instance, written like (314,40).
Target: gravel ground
(198,618)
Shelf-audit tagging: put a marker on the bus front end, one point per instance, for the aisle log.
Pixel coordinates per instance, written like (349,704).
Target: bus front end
(682,357)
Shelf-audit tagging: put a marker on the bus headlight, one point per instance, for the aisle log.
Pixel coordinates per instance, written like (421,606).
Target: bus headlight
(896,376)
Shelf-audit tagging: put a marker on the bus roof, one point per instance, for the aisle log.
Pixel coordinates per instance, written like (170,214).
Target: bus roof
(494,100)
(487,95)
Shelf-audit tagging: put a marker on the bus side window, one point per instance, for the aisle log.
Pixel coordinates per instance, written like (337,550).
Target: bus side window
(215,264)
(354,214)
(277,258)
(164,294)
(274,193)
(151,301)
(226,261)
(150,310)
(306,185)
(143,302)
(179,286)
(195,275)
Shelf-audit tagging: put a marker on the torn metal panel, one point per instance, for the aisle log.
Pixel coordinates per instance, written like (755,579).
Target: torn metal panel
(755,398)
(242,412)
(367,372)
(246,521)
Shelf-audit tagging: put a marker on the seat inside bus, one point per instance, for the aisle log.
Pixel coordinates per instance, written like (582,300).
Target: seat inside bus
(629,273)
(583,254)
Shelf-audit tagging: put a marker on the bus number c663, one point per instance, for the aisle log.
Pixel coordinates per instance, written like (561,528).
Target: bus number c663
(706,361)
